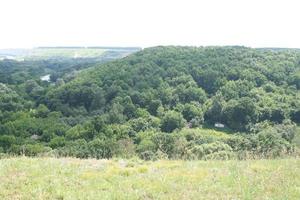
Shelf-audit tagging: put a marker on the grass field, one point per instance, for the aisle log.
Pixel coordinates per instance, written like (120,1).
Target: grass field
(62,52)
(50,178)
(66,52)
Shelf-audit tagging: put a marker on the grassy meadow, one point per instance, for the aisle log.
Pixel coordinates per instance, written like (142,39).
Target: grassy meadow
(66,52)
(69,178)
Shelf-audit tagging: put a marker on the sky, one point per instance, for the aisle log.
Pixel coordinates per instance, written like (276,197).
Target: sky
(145,23)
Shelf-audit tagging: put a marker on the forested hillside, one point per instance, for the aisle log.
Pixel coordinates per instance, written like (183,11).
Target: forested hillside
(161,102)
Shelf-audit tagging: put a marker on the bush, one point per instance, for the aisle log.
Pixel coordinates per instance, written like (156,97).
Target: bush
(271,146)
(126,148)
(6,141)
(203,136)
(172,120)
(215,150)
(99,148)
(220,155)
(57,142)
(164,143)
(29,149)
(77,148)
(146,145)
(148,155)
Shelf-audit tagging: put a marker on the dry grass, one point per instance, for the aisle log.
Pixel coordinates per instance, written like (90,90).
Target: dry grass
(67,178)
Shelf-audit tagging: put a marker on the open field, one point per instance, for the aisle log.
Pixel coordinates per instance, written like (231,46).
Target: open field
(66,52)
(45,53)
(62,52)
(67,178)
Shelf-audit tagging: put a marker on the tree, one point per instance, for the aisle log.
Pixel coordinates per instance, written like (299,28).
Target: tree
(57,142)
(296,79)
(192,111)
(153,106)
(172,120)
(42,111)
(239,113)
(6,141)
(214,109)
(9,99)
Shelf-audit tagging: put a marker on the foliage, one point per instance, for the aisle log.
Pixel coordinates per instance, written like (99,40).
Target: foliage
(153,104)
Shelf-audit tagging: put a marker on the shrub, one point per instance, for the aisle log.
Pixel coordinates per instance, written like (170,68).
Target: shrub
(29,149)
(172,120)
(146,145)
(148,155)
(215,150)
(220,155)
(126,148)
(57,142)
(100,149)
(271,146)
(6,141)
(77,148)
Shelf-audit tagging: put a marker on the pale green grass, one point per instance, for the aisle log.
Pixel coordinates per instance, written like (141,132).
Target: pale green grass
(50,178)
(65,52)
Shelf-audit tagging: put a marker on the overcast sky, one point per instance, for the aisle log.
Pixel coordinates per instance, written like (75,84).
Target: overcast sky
(254,23)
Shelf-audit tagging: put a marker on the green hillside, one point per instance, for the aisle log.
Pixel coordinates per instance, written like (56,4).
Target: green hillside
(162,102)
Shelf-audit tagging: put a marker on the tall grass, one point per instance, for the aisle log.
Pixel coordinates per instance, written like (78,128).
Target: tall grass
(69,178)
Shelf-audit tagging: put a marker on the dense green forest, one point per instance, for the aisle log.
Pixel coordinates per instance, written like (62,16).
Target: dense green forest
(161,102)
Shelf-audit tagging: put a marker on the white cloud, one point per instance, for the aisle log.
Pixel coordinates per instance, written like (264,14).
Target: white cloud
(255,23)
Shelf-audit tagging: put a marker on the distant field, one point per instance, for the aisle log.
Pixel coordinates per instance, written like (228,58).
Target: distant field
(50,178)
(67,52)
